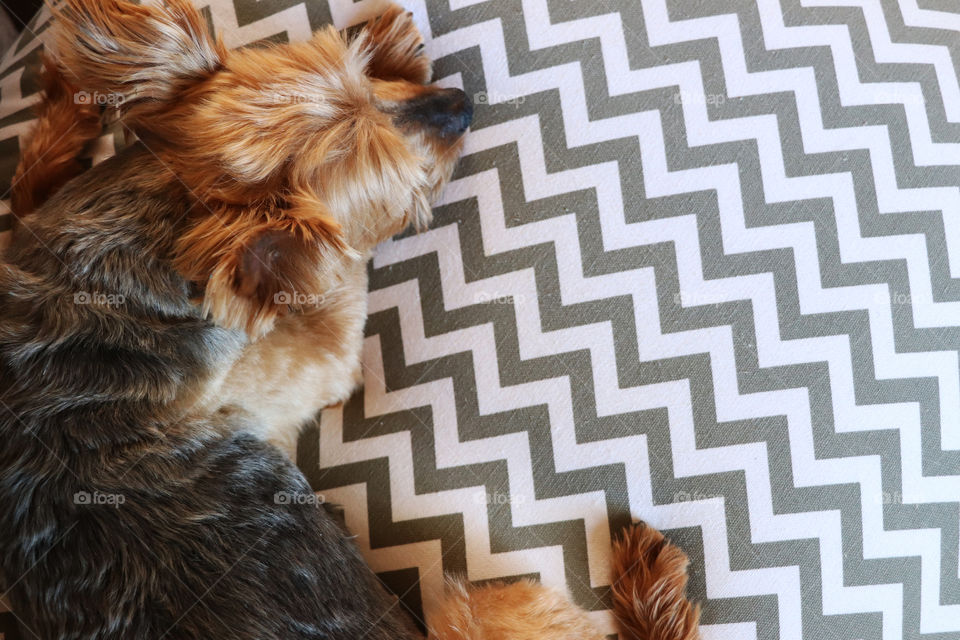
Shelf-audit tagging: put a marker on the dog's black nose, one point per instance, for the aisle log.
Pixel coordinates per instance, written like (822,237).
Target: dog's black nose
(461,110)
(446,111)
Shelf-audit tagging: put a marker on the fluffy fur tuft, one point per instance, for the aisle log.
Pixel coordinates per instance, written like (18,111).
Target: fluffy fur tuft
(251,257)
(401,45)
(49,155)
(142,56)
(648,589)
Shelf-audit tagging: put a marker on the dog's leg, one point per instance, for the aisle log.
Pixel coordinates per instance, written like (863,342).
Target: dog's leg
(523,609)
(309,361)
(66,121)
(650,576)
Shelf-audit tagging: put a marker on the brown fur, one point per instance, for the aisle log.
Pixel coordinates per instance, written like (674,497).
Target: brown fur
(648,592)
(288,150)
(401,44)
(648,601)
(49,156)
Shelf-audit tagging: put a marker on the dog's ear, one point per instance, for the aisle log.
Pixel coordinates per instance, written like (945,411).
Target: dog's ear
(254,266)
(138,57)
(395,47)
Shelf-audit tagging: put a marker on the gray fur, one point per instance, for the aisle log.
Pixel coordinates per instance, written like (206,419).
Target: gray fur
(180,535)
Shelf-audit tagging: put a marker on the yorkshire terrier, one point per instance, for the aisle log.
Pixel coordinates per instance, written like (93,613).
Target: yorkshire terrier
(171,317)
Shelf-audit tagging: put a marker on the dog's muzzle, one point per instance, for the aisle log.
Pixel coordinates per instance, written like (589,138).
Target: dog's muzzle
(447,112)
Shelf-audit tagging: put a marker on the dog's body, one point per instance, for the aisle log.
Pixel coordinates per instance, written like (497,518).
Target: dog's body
(148,313)
(131,513)
(171,317)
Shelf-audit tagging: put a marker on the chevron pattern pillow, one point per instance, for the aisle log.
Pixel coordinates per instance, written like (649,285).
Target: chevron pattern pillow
(699,266)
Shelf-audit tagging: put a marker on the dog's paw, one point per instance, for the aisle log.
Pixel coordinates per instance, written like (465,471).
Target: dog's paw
(397,47)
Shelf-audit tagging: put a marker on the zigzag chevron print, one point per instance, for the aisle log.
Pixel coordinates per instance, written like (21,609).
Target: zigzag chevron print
(700,265)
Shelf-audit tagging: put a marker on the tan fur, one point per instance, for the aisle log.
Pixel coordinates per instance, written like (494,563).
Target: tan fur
(648,594)
(310,360)
(524,610)
(291,151)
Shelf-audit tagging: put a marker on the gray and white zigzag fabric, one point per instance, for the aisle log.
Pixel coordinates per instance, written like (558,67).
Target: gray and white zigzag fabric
(699,266)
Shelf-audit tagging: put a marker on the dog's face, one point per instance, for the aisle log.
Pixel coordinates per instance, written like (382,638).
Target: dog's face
(300,156)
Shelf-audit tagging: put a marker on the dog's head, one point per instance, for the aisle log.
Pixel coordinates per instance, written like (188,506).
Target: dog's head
(300,156)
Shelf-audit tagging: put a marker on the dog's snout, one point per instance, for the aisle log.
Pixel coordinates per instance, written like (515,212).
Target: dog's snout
(461,111)
(448,112)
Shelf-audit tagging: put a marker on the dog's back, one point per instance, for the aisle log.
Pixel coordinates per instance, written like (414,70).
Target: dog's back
(128,517)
